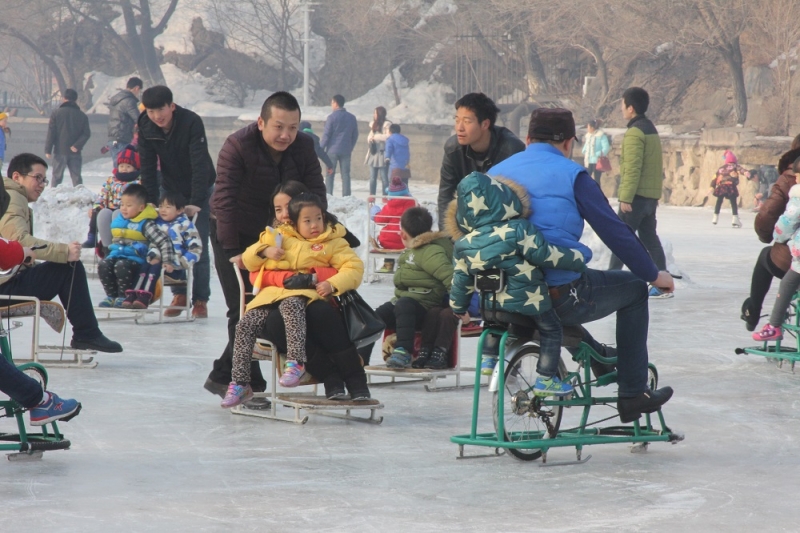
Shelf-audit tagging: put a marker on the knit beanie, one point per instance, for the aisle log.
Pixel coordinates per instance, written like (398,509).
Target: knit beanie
(397,187)
(129,156)
(729,157)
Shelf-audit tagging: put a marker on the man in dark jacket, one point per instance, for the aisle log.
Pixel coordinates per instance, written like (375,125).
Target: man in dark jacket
(177,138)
(251,164)
(338,140)
(477,145)
(66,135)
(123,114)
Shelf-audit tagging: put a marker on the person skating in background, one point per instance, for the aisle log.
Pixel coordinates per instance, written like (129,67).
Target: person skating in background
(398,154)
(726,185)
(3,137)
(376,146)
(595,146)
(305,127)
(123,113)
(67,134)
(338,140)
(126,171)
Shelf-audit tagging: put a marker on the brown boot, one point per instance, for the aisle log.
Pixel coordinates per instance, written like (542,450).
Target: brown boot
(178,300)
(200,309)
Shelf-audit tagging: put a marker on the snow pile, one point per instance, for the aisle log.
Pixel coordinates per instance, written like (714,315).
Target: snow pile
(352,212)
(61,214)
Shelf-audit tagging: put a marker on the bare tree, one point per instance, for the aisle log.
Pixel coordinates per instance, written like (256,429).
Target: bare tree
(776,33)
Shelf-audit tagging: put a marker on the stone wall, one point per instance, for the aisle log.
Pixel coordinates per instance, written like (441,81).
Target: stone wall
(692,159)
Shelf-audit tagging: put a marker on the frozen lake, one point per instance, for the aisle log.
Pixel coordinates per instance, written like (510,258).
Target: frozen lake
(153,451)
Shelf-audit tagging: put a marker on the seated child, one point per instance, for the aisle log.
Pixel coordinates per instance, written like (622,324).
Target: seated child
(127,172)
(312,239)
(422,278)
(787,229)
(398,154)
(44,407)
(389,236)
(488,221)
(134,231)
(181,230)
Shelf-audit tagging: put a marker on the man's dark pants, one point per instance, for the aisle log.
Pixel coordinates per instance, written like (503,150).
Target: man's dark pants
(73,162)
(597,294)
(642,220)
(65,280)
(221,373)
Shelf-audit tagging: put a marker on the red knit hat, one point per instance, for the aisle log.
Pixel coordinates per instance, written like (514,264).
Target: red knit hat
(130,156)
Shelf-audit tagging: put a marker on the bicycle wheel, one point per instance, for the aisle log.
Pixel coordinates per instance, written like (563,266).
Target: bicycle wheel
(521,415)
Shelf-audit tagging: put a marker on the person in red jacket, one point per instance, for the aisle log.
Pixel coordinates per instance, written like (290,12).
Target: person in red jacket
(44,406)
(389,236)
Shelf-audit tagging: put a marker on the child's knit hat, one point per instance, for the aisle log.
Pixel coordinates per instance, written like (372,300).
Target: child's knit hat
(397,187)
(730,158)
(129,156)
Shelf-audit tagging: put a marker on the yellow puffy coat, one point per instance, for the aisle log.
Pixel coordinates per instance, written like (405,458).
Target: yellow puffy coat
(329,249)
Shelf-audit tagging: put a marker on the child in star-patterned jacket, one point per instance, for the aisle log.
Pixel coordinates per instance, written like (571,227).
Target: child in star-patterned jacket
(182,232)
(488,221)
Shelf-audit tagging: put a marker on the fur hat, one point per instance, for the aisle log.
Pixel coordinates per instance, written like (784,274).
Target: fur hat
(730,158)
(397,187)
(551,124)
(130,156)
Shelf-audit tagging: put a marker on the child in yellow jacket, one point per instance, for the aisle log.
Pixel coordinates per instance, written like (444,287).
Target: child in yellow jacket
(312,240)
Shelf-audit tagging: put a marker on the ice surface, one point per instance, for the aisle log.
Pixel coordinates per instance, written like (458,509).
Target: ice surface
(153,451)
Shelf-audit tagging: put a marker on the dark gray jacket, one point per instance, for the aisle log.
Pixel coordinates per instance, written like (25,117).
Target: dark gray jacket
(123,112)
(69,126)
(459,161)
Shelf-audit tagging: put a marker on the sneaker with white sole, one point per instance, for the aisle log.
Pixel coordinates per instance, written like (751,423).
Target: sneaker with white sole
(551,387)
(292,374)
(657,294)
(236,394)
(54,409)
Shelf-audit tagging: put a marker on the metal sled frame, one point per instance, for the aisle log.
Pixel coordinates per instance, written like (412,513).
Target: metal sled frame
(541,411)
(373,230)
(139,316)
(76,359)
(776,350)
(27,444)
(264,350)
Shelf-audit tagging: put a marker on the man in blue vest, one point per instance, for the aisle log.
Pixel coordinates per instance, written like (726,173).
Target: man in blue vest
(563,196)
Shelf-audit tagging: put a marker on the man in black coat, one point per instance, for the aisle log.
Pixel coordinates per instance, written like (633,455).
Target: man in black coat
(477,145)
(66,135)
(123,113)
(251,164)
(176,137)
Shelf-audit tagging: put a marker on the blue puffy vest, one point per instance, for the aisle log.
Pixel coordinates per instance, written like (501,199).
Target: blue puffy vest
(128,240)
(549,178)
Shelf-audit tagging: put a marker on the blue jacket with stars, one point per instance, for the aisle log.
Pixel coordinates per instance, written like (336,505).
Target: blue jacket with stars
(488,221)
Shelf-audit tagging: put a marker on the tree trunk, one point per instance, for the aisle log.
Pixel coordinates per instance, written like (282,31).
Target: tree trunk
(147,37)
(534,70)
(733,58)
(602,67)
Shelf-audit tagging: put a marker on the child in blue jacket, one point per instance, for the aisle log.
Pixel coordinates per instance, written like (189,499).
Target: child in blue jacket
(398,155)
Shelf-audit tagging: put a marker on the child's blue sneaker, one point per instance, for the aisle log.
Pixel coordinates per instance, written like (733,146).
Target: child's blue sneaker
(108,301)
(658,294)
(118,302)
(487,365)
(400,358)
(55,409)
(551,387)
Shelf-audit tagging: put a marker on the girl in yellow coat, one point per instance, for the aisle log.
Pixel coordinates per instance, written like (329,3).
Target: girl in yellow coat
(312,240)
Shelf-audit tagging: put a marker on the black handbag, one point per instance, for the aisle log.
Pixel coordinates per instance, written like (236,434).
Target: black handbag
(363,324)
(373,147)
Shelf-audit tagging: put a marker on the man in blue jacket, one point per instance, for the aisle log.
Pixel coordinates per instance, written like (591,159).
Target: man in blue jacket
(338,140)
(563,196)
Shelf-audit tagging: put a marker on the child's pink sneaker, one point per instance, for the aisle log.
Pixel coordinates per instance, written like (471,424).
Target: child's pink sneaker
(292,375)
(768,333)
(236,394)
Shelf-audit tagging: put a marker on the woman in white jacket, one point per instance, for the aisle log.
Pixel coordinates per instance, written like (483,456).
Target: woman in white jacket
(595,145)
(376,143)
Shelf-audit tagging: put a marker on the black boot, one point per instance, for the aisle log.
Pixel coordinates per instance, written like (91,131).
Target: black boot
(438,359)
(349,364)
(334,387)
(749,316)
(601,369)
(649,401)
(423,357)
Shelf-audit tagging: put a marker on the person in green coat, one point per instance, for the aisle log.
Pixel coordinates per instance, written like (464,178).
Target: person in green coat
(421,282)
(488,221)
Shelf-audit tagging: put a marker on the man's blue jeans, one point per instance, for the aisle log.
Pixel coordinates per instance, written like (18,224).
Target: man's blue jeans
(597,294)
(21,388)
(343,160)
